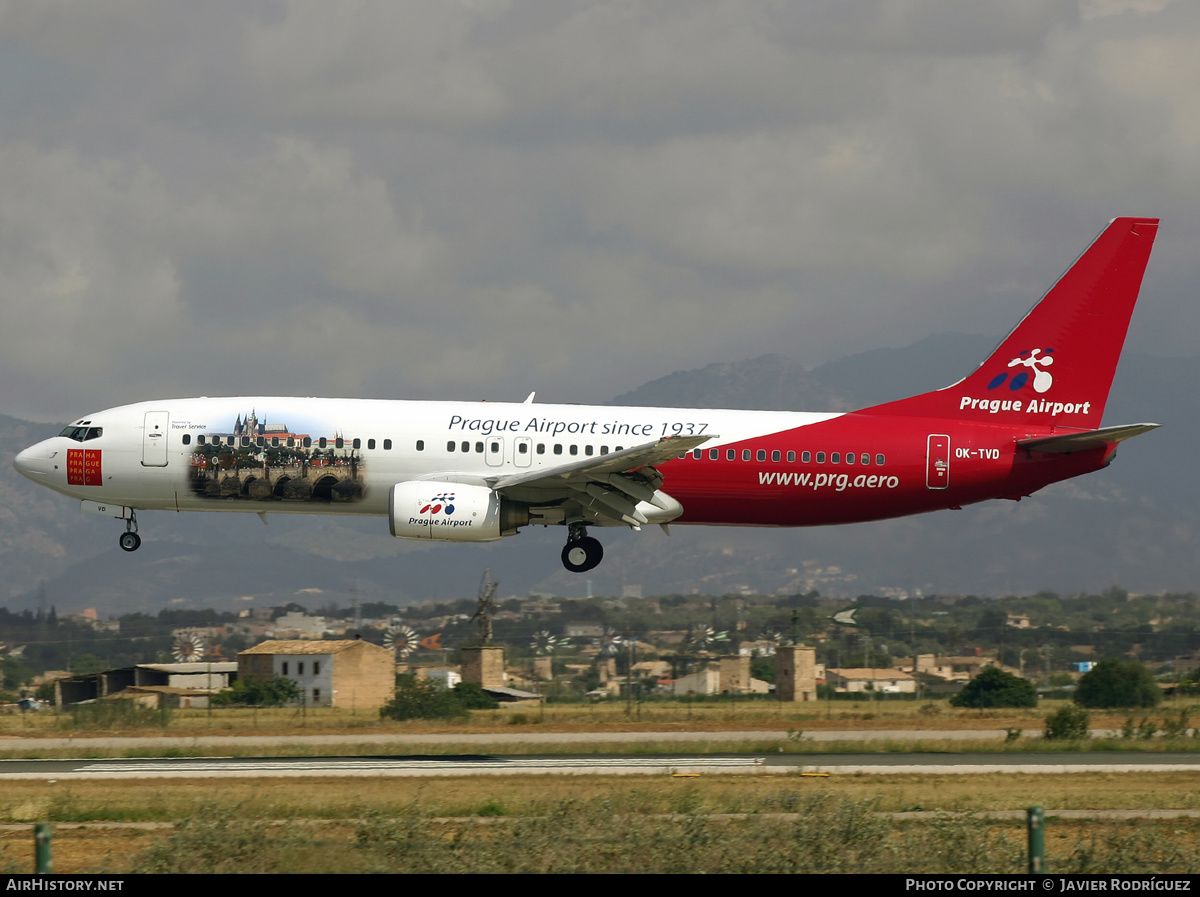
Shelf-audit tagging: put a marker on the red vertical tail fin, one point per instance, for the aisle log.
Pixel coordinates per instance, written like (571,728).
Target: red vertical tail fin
(1057,365)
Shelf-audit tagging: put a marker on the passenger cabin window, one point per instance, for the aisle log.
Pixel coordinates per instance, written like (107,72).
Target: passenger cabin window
(731,454)
(479,447)
(370,443)
(745,454)
(714,454)
(775,456)
(762,455)
(338,442)
(466,446)
(308,442)
(835,458)
(523,448)
(879,460)
(187,438)
(358,444)
(820,457)
(245,441)
(849,457)
(387,445)
(806,457)
(558,448)
(449,446)
(229,440)
(541,448)
(574,450)
(322,442)
(791,457)
(866,459)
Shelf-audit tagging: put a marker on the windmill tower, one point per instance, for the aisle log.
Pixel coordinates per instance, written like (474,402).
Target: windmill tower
(484,663)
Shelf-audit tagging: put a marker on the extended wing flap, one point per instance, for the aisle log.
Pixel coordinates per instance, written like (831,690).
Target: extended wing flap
(1088,439)
(608,487)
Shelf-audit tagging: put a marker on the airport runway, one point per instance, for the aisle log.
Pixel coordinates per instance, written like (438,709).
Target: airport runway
(491,764)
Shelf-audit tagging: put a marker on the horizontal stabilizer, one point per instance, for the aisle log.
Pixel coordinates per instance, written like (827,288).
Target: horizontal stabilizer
(1088,439)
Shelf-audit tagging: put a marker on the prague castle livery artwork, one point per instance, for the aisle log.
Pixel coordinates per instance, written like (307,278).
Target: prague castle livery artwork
(1028,416)
(262,461)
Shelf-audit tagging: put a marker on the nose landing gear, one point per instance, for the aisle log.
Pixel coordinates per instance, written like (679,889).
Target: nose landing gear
(582,552)
(130,540)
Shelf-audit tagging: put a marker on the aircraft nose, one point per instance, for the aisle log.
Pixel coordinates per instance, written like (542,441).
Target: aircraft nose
(33,462)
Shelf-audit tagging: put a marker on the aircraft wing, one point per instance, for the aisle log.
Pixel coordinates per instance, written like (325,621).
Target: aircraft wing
(606,488)
(1078,442)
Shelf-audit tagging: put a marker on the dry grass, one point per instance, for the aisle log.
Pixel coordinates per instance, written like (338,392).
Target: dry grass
(357,822)
(336,798)
(666,716)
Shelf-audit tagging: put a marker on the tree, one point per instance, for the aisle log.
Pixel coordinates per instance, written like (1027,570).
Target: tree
(1114,683)
(13,673)
(995,688)
(762,668)
(421,699)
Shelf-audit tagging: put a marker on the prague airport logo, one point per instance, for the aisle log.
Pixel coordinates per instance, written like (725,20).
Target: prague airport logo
(1042,379)
(440,503)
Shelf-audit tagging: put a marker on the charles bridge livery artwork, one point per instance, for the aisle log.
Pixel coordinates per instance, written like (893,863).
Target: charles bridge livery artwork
(258,461)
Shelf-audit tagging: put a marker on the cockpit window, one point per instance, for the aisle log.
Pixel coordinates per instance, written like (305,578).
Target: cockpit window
(82,434)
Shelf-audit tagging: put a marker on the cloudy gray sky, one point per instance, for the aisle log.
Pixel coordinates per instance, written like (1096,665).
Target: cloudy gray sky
(475,199)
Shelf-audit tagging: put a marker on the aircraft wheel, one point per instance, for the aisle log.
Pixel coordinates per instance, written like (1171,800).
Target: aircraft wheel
(130,541)
(582,555)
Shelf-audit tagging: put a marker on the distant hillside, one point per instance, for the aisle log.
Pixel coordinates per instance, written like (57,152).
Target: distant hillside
(773,383)
(767,383)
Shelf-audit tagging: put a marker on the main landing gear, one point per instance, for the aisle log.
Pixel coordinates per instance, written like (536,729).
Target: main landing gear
(582,552)
(130,540)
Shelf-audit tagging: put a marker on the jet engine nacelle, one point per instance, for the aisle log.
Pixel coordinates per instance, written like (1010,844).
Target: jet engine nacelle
(452,512)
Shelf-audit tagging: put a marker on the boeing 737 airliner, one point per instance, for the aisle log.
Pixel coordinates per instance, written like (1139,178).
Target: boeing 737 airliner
(474,472)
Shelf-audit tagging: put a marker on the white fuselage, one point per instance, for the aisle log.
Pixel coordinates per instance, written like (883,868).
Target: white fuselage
(159,455)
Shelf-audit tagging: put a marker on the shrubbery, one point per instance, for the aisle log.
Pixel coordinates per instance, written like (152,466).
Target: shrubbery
(1068,723)
(274,692)
(473,697)
(995,688)
(421,699)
